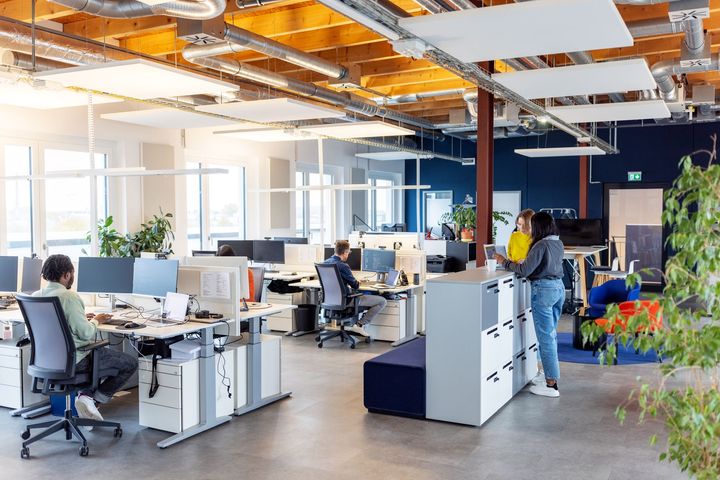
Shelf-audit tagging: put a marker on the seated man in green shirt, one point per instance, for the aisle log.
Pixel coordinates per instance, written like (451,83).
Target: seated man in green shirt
(59,271)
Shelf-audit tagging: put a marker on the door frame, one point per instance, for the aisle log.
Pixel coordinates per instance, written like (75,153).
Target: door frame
(665,186)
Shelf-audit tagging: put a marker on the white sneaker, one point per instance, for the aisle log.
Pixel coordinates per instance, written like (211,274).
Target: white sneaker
(357,329)
(545,391)
(86,408)
(539,379)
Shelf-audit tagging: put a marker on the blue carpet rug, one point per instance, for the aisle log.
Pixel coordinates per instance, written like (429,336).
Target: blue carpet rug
(627,356)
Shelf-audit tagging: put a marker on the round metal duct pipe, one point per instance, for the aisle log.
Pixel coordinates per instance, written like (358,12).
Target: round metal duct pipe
(197,9)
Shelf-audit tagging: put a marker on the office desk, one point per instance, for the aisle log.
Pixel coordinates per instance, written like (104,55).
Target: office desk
(410,312)
(580,255)
(286,276)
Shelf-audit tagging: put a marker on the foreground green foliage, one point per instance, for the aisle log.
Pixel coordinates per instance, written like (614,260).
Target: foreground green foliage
(686,396)
(156,235)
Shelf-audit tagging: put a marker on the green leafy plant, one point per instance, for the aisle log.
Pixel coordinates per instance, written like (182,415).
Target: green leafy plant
(156,235)
(464,216)
(686,394)
(111,243)
(497,218)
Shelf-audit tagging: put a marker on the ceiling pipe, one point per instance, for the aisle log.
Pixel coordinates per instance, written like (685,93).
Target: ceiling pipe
(14,40)
(654,27)
(416,97)
(345,100)
(431,6)
(663,73)
(192,9)
(25,61)
(243,4)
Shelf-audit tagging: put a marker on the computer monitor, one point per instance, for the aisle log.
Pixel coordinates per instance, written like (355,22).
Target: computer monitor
(293,240)
(204,253)
(31,272)
(354,260)
(583,232)
(380,261)
(269,251)
(154,278)
(242,248)
(8,274)
(105,275)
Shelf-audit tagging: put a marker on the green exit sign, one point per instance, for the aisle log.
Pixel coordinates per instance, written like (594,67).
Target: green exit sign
(634,176)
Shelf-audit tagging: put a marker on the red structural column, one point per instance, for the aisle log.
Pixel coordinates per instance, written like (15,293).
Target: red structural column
(484,167)
(584,184)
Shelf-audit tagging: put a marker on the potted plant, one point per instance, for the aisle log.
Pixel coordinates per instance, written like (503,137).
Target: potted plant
(156,235)
(686,393)
(111,243)
(464,218)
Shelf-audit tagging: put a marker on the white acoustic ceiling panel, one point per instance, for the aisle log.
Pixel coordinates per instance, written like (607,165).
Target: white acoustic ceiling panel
(22,94)
(590,79)
(391,155)
(273,110)
(358,130)
(516,30)
(267,135)
(610,112)
(559,152)
(138,78)
(166,118)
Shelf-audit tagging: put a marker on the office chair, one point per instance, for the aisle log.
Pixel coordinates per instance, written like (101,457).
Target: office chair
(338,304)
(258,274)
(613,291)
(52,366)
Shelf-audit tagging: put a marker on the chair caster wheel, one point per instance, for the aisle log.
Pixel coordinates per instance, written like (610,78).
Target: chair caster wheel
(118,432)
(84,451)
(352,346)
(25,452)
(317,339)
(319,345)
(368,339)
(25,435)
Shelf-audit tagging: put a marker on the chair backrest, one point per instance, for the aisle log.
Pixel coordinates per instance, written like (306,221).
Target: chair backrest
(334,289)
(613,291)
(53,350)
(615,266)
(631,267)
(258,274)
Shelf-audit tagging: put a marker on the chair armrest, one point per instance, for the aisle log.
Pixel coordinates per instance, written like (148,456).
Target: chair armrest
(354,295)
(94,346)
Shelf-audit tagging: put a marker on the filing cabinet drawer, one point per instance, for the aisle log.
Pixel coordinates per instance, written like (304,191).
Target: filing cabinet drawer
(10,397)
(387,320)
(163,366)
(164,379)
(380,332)
(490,350)
(165,396)
(11,377)
(10,362)
(9,350)
(162,418)
(505,299)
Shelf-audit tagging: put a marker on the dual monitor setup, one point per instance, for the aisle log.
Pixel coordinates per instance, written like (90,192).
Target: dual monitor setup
(136,276)
(29,278)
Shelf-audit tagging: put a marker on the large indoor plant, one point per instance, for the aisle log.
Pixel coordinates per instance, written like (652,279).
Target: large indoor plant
(464,218)
(686,395)
(156,235)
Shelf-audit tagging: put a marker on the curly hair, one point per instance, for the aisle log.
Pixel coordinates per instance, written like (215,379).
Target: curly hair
(55,266)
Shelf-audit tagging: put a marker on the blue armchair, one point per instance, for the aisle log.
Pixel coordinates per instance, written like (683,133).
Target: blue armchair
(613,291)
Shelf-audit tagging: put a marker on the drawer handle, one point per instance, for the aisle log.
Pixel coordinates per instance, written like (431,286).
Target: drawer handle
(507,365)
(491,376)
(491,331)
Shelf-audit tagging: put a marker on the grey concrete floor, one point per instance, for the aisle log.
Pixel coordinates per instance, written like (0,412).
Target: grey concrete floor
(323,432)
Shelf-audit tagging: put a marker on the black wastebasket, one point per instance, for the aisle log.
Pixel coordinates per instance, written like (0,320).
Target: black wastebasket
(578,320)
(305,316)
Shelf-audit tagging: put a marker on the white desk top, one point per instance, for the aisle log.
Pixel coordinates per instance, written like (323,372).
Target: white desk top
(573,252)
(156,332)
(475,275)
(315,284)
(264,312)
(288,277)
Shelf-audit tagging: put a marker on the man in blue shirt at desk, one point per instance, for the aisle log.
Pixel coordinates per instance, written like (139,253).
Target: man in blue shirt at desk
(374,303)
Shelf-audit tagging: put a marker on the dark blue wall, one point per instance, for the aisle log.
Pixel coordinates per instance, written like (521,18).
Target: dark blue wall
(553,182)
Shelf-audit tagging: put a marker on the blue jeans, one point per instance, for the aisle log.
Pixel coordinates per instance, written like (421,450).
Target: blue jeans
(547,300)
(109,358)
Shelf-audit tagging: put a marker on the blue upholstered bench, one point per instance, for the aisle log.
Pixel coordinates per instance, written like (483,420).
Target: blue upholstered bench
(394,382)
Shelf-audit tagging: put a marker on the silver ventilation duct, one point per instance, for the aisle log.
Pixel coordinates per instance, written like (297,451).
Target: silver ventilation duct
(14,40)
(416,97)
(347,101)
(663,73)
(24,61)
(193,9)
(654,27)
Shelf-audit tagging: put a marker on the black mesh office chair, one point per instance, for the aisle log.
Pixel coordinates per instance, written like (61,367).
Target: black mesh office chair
(338,304)
(52,366)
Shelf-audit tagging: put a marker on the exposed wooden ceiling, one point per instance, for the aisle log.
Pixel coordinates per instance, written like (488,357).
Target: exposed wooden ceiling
(311,27)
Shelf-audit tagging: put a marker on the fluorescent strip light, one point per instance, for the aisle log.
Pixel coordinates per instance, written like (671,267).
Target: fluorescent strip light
(349,186)
(267,135)
(559,152)
(358,130)
(119,172)
(391,155)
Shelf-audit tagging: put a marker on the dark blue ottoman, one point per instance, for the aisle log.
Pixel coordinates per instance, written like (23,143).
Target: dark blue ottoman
(394,382)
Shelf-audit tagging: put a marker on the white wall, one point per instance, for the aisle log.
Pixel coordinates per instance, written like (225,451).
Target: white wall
(70,126)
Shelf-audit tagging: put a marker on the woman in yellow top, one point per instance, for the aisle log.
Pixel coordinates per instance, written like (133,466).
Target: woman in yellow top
(520,240)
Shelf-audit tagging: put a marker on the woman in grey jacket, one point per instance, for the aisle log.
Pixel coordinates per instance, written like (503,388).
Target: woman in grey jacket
(543,267)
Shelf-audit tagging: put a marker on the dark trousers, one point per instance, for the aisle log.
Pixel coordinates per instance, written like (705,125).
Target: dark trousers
(109,358)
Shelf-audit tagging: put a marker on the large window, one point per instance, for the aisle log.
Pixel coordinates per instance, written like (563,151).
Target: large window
(67,206)
(18,200)
(384,204)
(309,220)
(216,206)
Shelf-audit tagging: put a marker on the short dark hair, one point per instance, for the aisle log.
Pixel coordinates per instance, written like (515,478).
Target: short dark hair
(226,251)
(55,266)
(341,246)
(543,225)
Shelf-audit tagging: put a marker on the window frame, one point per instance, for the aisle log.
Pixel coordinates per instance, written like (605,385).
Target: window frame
(396,197)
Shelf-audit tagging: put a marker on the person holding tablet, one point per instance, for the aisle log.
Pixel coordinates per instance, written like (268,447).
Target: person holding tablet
(520,240)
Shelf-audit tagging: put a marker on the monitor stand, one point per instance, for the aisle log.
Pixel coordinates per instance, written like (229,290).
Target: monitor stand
(111,305)
(380,277)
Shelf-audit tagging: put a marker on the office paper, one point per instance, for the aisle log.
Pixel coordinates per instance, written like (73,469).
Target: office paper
(215,285)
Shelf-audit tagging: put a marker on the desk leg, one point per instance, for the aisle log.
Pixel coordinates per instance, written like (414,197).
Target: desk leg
(208,415)
(32,411)
(583,279)
(410,325)
(254,370)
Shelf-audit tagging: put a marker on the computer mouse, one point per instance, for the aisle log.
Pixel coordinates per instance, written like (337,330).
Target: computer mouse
(132,325)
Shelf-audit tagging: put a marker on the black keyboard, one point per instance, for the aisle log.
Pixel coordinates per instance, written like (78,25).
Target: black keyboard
(116,322)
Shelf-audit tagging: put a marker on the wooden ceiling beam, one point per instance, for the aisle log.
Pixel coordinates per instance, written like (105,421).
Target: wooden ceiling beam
(452,103)
(409,78)
(44,10)
(418,88)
